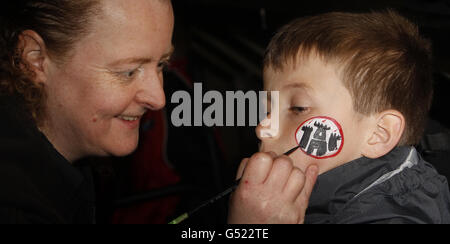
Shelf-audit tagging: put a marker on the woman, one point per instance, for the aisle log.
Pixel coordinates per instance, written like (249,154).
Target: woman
(75,79)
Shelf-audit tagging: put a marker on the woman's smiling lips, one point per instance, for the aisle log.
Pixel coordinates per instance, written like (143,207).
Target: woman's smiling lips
(131,122)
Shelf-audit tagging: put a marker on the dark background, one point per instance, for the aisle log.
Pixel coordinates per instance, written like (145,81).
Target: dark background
(221,44)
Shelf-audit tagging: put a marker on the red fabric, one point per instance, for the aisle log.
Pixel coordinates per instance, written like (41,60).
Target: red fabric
(180,67)
(150,170)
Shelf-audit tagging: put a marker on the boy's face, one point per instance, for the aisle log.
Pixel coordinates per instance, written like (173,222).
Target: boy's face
(312,89)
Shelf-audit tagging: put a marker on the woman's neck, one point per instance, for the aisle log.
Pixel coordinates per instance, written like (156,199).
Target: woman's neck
(60,144)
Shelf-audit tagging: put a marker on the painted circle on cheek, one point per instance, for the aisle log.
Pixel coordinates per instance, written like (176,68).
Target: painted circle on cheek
(320,137)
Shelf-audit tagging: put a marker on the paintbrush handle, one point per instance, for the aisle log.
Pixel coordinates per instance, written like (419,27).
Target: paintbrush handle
(219,196)
(233,187)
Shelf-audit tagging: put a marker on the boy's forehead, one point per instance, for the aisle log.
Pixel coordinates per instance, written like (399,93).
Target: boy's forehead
(286,79)
(309,74)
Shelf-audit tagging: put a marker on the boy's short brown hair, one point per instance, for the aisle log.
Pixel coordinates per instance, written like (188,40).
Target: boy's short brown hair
(386,64)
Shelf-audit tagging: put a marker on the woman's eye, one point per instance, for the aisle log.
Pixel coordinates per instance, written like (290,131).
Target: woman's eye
(163,64)
(130,74)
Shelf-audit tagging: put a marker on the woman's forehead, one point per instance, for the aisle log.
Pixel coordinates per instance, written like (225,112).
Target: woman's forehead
(119,33)
(120,15)
(123,11)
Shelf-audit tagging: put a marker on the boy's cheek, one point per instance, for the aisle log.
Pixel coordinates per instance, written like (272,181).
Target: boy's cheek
(320,137)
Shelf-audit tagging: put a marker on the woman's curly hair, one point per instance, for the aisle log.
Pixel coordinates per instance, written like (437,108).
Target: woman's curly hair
(60,23)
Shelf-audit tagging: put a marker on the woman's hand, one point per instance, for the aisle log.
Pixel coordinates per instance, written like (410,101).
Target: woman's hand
(272,191)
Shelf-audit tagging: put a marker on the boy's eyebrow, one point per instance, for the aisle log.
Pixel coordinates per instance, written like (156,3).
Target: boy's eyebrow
(292,86)
(297,86)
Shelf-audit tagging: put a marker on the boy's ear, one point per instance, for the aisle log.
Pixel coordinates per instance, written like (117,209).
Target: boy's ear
(33,55)
(385,134)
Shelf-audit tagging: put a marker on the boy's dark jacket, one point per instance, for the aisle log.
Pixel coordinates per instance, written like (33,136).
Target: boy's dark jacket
(397,188)
(37,185)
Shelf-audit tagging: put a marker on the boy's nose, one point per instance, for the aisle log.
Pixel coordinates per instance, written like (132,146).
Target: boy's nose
(267,129)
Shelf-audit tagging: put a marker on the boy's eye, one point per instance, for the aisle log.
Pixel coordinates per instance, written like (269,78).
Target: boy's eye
(299,109)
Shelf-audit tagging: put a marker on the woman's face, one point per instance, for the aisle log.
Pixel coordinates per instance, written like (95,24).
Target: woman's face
(97,98)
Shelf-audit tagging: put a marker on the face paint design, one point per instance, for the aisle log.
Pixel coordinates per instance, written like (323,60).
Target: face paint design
(320,137)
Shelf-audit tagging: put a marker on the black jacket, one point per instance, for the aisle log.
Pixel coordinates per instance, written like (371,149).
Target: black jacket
(397,188)
(37,184)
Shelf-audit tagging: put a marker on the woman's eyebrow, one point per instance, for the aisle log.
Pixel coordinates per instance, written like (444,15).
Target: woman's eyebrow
(141,60)
(169,54)
(131,61)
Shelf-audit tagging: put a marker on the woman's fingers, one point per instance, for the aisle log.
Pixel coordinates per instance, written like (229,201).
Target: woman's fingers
(295,184)
(279,174)
(242,167)
(258,168)
(272,190)
(310,180)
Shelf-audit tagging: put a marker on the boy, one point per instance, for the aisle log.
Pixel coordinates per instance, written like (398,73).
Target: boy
(355,90)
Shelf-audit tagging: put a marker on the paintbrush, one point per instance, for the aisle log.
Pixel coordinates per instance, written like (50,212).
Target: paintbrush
(218,196)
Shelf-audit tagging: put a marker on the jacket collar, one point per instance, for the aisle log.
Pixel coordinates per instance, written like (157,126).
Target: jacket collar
(335,188)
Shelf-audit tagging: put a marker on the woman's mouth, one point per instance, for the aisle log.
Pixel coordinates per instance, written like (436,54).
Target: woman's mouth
(131,122)
(130,118)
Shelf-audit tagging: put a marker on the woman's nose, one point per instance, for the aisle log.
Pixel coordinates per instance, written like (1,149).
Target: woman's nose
(151,93)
